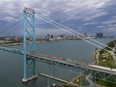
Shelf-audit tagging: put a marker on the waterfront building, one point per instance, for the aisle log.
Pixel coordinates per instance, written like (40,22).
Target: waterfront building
(99,35)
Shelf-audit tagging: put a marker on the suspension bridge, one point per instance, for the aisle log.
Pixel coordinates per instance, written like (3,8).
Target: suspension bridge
(88,73)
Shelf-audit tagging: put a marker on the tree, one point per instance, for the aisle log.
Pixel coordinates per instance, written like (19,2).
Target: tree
(111,44)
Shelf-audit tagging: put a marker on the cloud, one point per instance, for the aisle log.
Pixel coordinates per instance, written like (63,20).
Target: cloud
(109,21)
(70,8)
(110,30)
(8,19)
(77,13)
(90,23)
(82,9)
(101,26)
(95,16)
(112,25)
(54,31)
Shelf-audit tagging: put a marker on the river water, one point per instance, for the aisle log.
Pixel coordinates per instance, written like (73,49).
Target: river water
(11,65)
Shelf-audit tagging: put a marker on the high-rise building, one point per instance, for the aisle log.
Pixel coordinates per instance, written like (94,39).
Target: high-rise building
(99,35)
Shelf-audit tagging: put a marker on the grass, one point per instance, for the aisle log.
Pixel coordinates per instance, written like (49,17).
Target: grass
(99,82)
(77,81)
(104,83)
(109,61)
(106,62)
(69,85)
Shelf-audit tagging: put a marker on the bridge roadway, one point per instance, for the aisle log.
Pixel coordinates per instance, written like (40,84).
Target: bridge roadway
(62,61)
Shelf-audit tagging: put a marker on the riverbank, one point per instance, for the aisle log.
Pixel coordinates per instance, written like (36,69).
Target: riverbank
(75,82)
(106,57)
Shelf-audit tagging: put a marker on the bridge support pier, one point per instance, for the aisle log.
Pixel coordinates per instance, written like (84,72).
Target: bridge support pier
(29,79)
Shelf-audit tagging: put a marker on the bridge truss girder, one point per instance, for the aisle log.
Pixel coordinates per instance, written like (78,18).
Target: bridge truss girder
(104,76)
(93,75)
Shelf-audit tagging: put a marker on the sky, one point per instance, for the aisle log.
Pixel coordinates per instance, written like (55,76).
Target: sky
(84,16)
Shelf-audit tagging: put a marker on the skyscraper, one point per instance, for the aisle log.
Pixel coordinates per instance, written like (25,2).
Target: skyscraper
(99,35)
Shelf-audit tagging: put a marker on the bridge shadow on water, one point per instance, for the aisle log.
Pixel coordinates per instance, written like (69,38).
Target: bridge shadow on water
(41,81)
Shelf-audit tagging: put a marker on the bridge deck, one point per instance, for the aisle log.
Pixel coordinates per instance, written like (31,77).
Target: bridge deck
(74,63)
(60,60)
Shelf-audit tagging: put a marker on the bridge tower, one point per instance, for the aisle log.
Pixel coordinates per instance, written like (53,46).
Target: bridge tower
(29,44)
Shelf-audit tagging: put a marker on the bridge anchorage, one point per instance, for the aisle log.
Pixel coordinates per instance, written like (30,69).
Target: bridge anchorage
(29,44)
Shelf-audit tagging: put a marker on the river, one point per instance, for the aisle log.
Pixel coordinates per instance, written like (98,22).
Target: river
(11,65)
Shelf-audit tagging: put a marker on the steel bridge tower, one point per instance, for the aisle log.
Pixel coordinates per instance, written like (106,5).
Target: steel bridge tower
(29,44)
